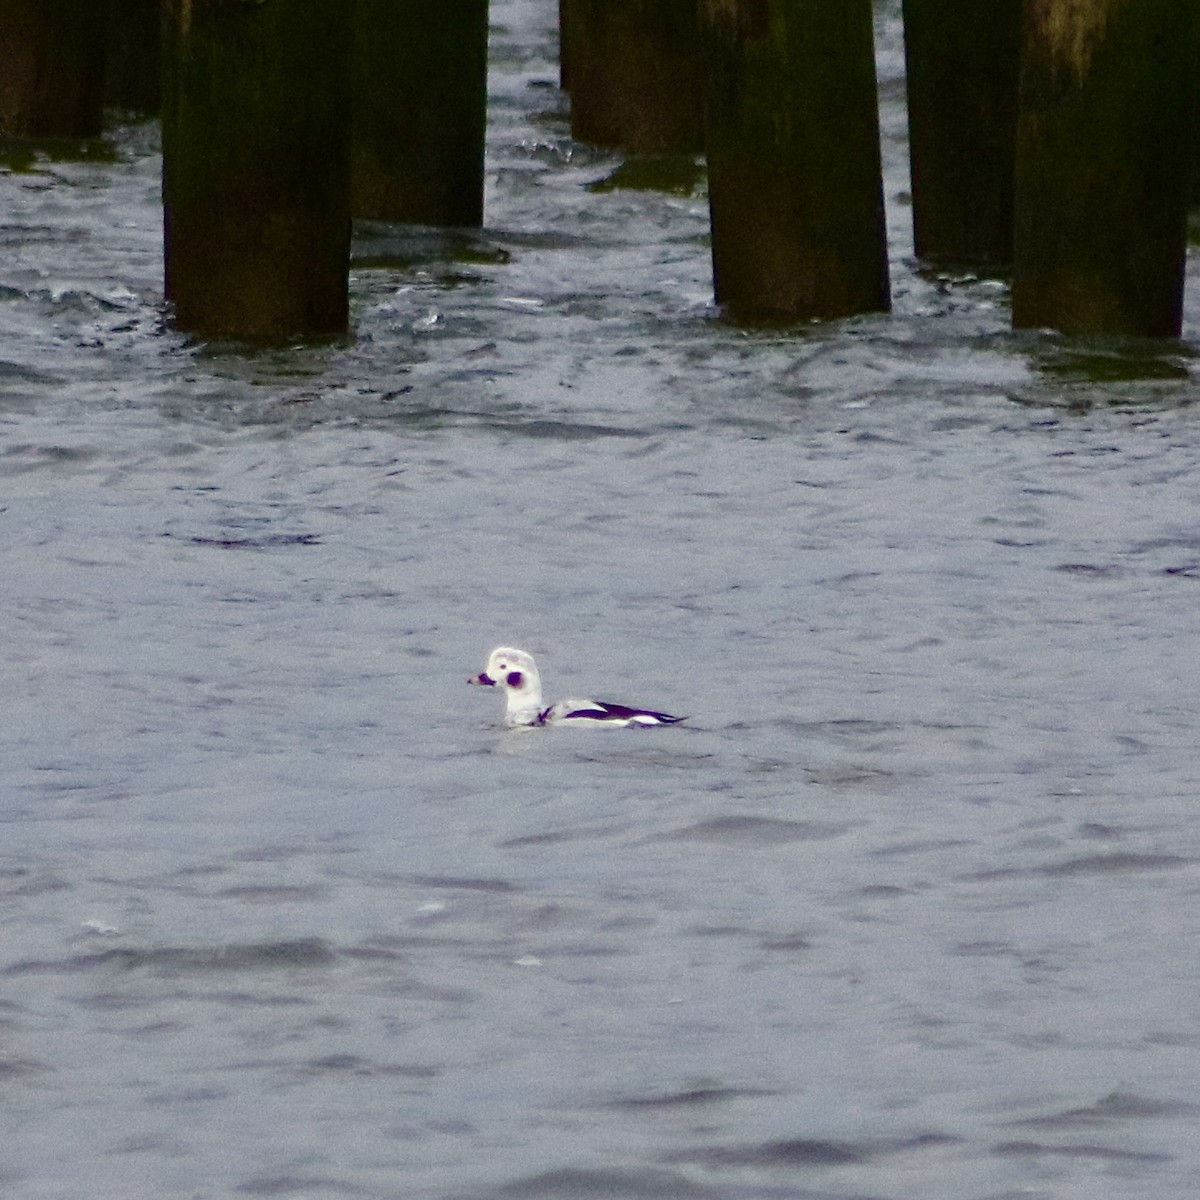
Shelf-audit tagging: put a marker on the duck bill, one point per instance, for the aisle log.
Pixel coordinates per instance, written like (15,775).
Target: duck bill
(483,678)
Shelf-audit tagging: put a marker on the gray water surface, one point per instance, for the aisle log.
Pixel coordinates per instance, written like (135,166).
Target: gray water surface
(907,908)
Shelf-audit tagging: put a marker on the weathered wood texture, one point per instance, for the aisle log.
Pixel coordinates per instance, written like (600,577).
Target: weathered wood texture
(51,68)
(963,59)
(420,111)
(256,166)
(634,73)
(795,186)
(1104,153)
(134,76)
(564,67)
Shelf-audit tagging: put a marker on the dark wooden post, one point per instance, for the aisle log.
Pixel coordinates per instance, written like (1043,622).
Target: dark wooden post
(256,165)
(51,68)
(634,73)
(1103,165)
(134,79)
(565,14)
(963,59)
(420,111)
(795,187)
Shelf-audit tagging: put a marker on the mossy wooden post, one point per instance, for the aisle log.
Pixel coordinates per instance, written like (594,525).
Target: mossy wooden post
(134,76)
(634,74)
(963,59)
(420,111)
(51,68)
(256,165)
(1104,165)
(565,16)
(795,188)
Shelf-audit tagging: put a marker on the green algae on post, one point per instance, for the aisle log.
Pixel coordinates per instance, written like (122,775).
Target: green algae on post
(634,74)
(420,111)
(963,65)
(51,68)
(134,77)
(256,166)
(795,188)
(1103,165)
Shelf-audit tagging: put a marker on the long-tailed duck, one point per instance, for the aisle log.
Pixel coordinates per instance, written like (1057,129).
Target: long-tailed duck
(517,673)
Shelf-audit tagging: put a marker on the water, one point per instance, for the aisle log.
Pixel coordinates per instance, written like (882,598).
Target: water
(905,910)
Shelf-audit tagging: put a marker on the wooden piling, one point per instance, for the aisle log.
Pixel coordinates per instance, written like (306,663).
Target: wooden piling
(1104,143)
(565,15)
(134,71)
(420,111)
(634,71)
(256,166)
(51,68)
(795,187)
(963,60)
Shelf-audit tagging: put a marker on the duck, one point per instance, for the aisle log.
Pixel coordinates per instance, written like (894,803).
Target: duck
(516,673)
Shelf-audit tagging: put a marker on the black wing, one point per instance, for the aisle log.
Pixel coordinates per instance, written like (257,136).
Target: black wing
(619,712)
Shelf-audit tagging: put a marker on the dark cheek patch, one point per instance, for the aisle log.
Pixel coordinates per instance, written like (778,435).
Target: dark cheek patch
(514,679)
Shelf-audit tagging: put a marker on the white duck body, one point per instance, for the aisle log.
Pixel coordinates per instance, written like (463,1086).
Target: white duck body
(516,673)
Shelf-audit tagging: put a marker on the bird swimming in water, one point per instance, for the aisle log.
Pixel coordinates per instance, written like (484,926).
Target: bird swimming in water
(515,672)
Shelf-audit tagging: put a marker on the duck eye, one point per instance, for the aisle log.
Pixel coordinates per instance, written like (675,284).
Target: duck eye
(514,679)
